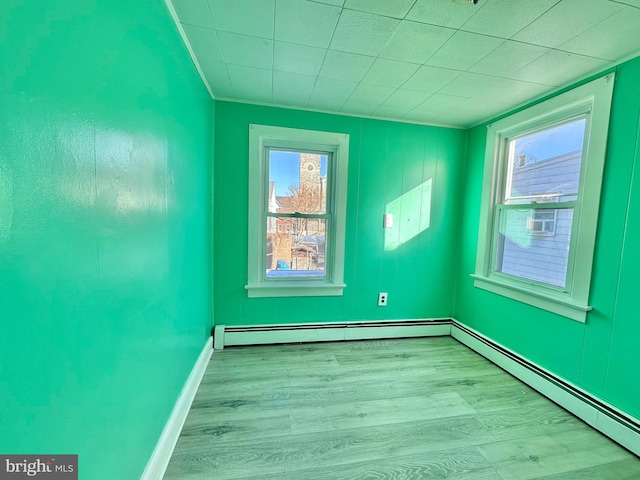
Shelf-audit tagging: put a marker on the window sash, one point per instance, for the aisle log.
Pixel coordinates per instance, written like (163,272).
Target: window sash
(299,148)
(574,206)
(328,250)
(507,165)
(328,216)
(504,201)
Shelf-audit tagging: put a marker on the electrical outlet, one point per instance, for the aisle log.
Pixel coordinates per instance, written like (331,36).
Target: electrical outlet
(382,299)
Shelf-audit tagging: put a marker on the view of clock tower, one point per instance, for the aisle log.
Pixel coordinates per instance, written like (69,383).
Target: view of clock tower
(309,169)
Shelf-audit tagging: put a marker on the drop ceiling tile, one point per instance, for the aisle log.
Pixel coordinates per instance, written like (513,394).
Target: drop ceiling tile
(429,110)
(504,18)
(358,108)
(463,50)
(391,111)
(557,68)
(396,8)
(306,23)
(326,104)
(371,94)
(566,20)
(251,83)
(331,91)
(437,103)
(409,99)
(204,43)
(337,3)
(468,84)
(244,50)
(301,59)
(389,73)
(430,79)
(442,12)
(364,33)
(511,91)
(345,66)
(507,58)
(615,37)
(373,67)
(292,89)
(249,17)
(416,42)
(193,12)
(470,112)
(458,119)
(420,116)
(218,79)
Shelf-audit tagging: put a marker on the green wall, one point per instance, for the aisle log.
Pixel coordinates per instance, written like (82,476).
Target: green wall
(105,143)
(387,160)
(601,356)
(106,240)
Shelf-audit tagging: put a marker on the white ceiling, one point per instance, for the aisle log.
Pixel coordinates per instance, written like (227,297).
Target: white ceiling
(427,61)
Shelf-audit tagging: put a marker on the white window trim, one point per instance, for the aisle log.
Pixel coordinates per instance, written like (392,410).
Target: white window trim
(593,97)
(261,137)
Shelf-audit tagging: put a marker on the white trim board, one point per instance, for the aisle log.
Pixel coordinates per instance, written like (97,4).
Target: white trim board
(226,335)
(604,417)
(161,455)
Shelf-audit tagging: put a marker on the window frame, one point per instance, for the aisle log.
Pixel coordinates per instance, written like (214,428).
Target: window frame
(263,138)
(592,99)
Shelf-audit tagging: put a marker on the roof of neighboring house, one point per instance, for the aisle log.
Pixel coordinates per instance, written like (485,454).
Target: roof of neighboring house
(285,204)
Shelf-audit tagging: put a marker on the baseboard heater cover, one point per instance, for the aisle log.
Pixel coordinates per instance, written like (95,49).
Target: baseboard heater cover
(227,335)
(604,417)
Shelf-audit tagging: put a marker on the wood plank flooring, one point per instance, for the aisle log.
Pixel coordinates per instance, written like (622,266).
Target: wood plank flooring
(387,409)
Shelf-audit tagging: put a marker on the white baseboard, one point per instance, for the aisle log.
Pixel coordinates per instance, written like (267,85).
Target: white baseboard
(161,455)
(329,332)
(604,417)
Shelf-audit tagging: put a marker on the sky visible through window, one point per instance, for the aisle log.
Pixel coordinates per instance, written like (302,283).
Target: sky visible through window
(553,142)
(284,170)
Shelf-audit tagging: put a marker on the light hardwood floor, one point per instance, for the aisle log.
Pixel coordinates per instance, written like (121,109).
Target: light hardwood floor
(387,409)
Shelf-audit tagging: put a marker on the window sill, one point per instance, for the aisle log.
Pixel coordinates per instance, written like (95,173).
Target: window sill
(295,289)
(555,304)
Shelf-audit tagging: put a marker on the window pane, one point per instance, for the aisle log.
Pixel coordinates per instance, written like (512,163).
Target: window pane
(534,244)
(297,182)
(296,247)
(545,166)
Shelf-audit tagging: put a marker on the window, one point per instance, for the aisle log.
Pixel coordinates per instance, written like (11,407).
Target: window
(541,193)
(297,210)
(543,222)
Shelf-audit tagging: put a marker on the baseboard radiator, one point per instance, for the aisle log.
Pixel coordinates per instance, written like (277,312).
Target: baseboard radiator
(619,426)
(328,332)
(604,417)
